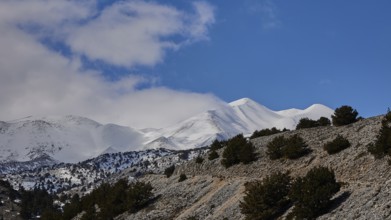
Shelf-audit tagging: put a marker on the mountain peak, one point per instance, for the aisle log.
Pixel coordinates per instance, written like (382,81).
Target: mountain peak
(242,101)
(318,106)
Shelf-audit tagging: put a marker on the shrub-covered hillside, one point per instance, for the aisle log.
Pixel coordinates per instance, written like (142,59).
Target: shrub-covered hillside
(214,191)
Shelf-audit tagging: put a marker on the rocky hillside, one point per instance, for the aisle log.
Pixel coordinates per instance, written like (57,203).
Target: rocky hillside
(86,175)
(214,192)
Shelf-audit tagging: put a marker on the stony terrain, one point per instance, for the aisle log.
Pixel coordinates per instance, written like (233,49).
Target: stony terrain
(214,192)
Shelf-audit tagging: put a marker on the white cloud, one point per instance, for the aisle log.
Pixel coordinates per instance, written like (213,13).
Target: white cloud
(136,32)
(36,80)
(201,21)
(128,33)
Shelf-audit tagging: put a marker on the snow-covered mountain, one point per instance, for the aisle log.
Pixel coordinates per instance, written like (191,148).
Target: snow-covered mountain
(241,116)
(66,139)
(73,138)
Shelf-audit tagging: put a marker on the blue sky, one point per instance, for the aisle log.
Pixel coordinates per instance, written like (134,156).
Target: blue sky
(329,52)
(154,63)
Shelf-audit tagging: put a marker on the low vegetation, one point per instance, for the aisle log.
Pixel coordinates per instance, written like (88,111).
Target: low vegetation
(182,177)
(105,202)
(217,145)
(112,200)
(238,150)
(37,202)
(338,144)
(213,155)
(169,171)
(266,132)
(291,148)
(9,190)
(382,145)
(266,199)
(199,159)
(310,195)
(344,115)
(309,123)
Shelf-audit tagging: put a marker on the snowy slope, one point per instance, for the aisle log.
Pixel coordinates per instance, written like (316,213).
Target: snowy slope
(66,139)
(241,116)
(73,138)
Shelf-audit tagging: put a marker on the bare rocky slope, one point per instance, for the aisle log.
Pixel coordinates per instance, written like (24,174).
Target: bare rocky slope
(214,192)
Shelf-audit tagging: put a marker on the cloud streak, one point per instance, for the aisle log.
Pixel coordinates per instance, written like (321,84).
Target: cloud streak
(268,11)
(38,80)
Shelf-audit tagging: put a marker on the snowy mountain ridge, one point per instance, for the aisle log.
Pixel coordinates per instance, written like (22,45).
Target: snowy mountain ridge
(74,138)
(241,116)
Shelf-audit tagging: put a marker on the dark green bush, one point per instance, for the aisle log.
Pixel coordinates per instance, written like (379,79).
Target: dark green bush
(323,121)
(213,155)
(36,202)
(311,194)
(113,200)
(199,159)
(169,171)
(306,123)
(344,115)
(338,144)
(238,150)
(309,123)
(217,145)
(247,153)
(266,132)
(182,177)
(382,145)
(291,148)
(230,155)
(275,147)
(266,199)
(295,147)
(138,195)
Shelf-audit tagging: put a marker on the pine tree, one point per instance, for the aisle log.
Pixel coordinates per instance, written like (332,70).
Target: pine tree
(266,199)
(290,148)
(382,145)
(138,196)
(306,123)
(344,115)
(275,147)
(238,150)
(247,153)
(311,194)
(213,155)
(217,145)
(323,121)
(295,147)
